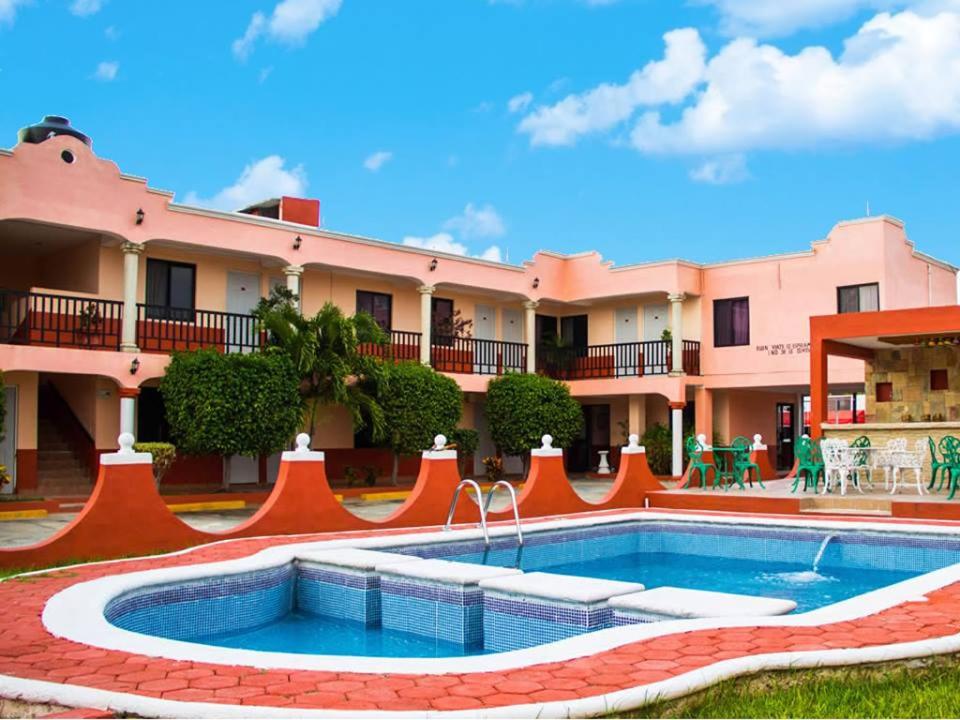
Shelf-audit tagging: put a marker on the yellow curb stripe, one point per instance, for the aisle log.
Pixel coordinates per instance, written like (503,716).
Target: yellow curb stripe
(211,506)
(22,514)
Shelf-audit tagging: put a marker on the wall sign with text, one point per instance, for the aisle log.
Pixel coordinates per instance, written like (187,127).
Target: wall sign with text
(794,348)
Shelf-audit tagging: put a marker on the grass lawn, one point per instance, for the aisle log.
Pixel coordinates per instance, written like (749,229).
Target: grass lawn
(921,689)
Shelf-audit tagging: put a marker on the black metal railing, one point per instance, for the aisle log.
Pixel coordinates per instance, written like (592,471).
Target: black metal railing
(653,357)
(477,357)
(29,318)
(165,329)
(402,346)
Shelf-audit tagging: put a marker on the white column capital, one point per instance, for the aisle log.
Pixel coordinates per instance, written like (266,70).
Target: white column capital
(296,270)
(677,297)
(531,304)
(132,248)
(427,289)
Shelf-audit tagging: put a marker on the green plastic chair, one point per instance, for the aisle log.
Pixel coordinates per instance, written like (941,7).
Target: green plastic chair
(950,449)
(742,464)
(809,464)
(862,460)
(937,466)
(695,453)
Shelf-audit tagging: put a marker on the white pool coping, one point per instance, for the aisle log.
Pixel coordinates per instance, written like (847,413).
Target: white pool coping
(354,558)
(689,603)
(564,588)
(447,572)
(77,613)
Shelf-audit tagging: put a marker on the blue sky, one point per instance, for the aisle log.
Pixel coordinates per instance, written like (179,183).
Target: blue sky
(645,129)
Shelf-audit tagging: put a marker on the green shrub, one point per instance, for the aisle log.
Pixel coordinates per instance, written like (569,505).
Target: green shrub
(164,454)
(521,409)
(418,403)
(235,404)
(466,440)
(658,441)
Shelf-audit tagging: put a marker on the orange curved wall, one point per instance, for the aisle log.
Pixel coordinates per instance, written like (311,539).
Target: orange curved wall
(126,515)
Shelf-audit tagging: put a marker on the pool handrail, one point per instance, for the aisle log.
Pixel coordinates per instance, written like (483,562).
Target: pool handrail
(513,502)
(480,505)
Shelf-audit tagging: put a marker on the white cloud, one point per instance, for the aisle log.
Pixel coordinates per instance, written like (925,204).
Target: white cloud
(723,170)
(492,254)
(662,81)
(260,180)
(476,222)
(106,71)
(444,242)
(767,18)
(519,103)
(291,23)
(441,242)
(897,79)
(8,10)
(83,8)
(264,74)
(377,160)
(111,32)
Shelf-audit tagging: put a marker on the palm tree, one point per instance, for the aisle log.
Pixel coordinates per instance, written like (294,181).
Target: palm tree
(325,351)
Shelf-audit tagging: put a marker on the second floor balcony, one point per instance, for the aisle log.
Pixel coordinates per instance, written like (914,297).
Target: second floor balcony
(71,321)
(615,360)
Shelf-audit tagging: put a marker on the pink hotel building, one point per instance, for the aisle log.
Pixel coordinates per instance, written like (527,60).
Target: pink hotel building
(102,275)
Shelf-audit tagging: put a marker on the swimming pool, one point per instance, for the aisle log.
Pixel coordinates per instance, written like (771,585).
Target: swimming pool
(456,598)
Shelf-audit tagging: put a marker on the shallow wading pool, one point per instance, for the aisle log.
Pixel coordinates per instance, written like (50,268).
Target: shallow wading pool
(455,598)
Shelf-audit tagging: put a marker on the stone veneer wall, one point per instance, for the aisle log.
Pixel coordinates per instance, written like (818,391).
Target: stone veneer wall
(879,433)
(908,369)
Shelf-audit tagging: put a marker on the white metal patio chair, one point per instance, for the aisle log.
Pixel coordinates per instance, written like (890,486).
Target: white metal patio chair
(839,465)
(909,460)
(885,459)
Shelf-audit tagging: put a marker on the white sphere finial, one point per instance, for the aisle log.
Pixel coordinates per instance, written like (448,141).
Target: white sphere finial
(547,441)
(633,441)
(303,443)
(126,441)
(439,442)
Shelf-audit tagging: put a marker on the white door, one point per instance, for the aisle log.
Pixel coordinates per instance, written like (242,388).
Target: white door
(654,323)
(512,325)
(243,294)
(485,328)
(8,447)
(625,331)
(242,470)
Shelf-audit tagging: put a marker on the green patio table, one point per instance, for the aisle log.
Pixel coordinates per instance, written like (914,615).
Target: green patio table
(724,459)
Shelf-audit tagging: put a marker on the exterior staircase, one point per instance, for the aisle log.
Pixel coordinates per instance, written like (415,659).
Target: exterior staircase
(59,471)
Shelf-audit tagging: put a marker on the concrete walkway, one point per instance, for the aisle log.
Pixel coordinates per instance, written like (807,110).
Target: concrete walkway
(17,533)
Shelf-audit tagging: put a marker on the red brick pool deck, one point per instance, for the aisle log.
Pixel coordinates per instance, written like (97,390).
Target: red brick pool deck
(28,651)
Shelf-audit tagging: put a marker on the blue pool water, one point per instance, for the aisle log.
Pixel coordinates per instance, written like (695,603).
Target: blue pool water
(288,609)
(299,632)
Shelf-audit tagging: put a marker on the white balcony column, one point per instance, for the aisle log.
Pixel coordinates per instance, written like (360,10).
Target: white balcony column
(676,423)
(131,269)
(293,273)
(676,331)
(426,317)
(530,333)
(128,410)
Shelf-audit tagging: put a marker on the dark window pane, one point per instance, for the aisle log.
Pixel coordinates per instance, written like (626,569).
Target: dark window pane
(731,322)
(157,285)
(377,305)
(858,298)
(181,286)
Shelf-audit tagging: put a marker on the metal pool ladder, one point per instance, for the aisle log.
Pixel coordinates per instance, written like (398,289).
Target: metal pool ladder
(513,502)
(484,507)
(483,511)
